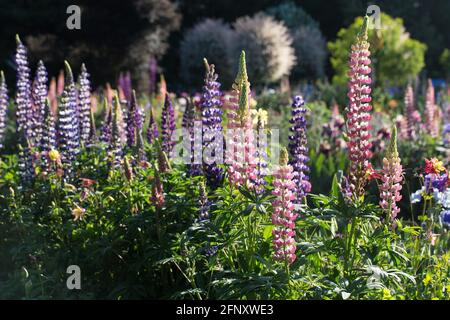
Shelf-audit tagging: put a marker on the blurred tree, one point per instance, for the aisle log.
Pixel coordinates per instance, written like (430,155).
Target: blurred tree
(109,28)
(308,41)
(209,39)
(445,62)
(396,58)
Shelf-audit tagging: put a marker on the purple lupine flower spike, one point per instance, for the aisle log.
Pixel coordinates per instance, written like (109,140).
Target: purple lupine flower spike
(84,104)
(115,148)
(261,152)
(152,130)
(211,105)
(298,149)
(39,94)
(188,124)
(25,163)
(67,128)
(131,120)
(23,92)
(48,139)
(3,107)
(105,135)
(167,125)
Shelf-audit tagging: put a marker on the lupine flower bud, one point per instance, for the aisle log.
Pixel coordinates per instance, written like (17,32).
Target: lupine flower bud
(167,125)
(358,116)
(158,191)
(283,216)
(188,124)
(84,100)
(204,204)
(23,92)
(211,105)
(105,135)
(391,178)
(261,151)
(115,149)
(298,148)
(152,130)
(3,107)
(40,94)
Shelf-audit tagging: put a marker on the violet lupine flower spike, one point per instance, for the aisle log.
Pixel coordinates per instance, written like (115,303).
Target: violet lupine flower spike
(188,125)
(3,107)
(39,94)
(131,120)
(115,148)
(211,106)
(25,162)
(283,216)
(23,92)
(48,140)
(410,110)
(261,151)
(67,131)
(105,135)
(152,130)
(358,116)
(391,178)
(298,149)
(167,125)
(84,100)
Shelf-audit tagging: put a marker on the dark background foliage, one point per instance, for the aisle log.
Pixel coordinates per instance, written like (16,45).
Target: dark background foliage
(110,27)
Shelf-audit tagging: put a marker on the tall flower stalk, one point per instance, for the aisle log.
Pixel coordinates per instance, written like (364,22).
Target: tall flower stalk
(298,149)
(167,125)
(283,216)
(105,130)
(211,106)
(23,91)
(66,127)
(133,117)
(432,112)
(115,148)
(39,94)
(189,127)
(391,177)
(48,140)
(152,130)
(240,152)
(358,116)
(84,101)
(410,109)
(261,151)
(3,107)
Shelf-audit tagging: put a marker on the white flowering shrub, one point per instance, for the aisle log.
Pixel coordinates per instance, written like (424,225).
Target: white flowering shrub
(268,46)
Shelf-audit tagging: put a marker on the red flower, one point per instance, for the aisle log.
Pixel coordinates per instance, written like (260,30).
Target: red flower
(433,166)
(371,173)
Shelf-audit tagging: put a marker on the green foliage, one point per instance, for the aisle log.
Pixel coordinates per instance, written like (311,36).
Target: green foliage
(445,62)
(389,45)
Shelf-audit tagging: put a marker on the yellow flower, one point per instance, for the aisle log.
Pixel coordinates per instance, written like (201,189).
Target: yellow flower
(260,115)
(54,155)
(78,213)
(392,103)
